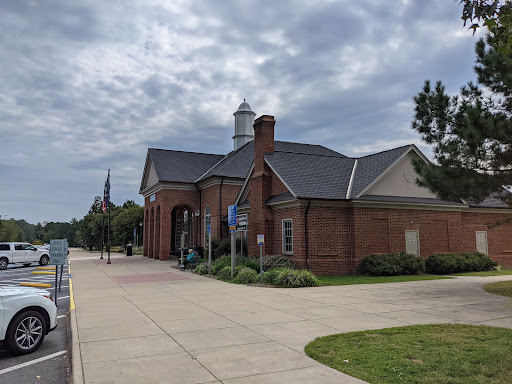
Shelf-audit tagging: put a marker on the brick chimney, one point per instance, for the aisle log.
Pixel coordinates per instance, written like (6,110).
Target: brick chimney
(260,217)
(263,140)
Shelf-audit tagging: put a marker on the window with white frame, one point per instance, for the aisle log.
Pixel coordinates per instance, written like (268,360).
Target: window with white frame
(207,222)
(287,236)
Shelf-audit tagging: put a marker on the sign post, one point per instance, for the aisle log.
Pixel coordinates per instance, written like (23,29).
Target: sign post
(58,253)
(241,226)
(232,230)
(182,245)
(209,229)
(261,243)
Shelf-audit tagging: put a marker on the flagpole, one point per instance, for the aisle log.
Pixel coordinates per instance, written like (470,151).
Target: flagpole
(102,232)
(108,225)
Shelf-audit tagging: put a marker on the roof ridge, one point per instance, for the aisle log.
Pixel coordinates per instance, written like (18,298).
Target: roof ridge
(174,150)
(339,156)
(387,150)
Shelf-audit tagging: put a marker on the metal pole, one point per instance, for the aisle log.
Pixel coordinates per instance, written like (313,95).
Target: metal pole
(181,255)
(233,254)
(56,274)
(261,264)
(108,231)
(209,253)
(102,234)
(241,244)
(61,271)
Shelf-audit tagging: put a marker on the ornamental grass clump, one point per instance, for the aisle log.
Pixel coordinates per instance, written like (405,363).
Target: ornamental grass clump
(224,274)
(201,269)
(270,277)
(246,276)
(277,261)
(296,278)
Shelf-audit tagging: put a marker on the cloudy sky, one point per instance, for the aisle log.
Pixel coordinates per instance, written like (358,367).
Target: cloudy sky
(90,85)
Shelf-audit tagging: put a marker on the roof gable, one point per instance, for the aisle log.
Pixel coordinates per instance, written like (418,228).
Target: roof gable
(176,166)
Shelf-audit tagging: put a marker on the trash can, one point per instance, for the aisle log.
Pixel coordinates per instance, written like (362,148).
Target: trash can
(129,250)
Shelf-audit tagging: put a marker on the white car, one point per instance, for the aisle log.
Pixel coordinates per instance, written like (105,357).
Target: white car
(22,253)
(26,316)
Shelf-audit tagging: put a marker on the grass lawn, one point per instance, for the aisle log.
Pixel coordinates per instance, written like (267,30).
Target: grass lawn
(435,353)
(487,273)
(358,279)
(503,288)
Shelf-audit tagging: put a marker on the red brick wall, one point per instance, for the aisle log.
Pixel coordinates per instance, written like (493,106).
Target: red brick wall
(166,199)
(277,186)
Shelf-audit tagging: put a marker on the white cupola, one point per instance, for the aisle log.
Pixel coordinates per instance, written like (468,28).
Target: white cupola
(244,125)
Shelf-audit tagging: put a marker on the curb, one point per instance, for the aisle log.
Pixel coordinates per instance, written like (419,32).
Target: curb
(77,376)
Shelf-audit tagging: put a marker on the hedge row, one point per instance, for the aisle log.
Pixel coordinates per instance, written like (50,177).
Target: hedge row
(279,271)
(444,263)
(393,264)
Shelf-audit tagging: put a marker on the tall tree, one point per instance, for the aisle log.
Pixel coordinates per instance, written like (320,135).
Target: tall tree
(472,132)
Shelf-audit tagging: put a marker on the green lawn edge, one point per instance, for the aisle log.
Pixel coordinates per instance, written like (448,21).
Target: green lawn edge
(500,272)
(502,288)
(358,279)
(431,354)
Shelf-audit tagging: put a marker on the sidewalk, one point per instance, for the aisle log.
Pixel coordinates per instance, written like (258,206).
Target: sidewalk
(138,320)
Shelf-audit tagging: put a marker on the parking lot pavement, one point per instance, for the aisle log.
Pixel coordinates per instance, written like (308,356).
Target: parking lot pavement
(50,363)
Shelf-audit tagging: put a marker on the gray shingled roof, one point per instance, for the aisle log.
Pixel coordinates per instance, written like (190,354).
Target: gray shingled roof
(313,176)
(371,166)
(237,163)
(402,199)
(493,201)
(181,167)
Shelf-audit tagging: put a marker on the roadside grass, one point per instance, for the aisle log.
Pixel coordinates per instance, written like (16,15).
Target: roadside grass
(503,288)
(500,272)
(360,279)
(435,353)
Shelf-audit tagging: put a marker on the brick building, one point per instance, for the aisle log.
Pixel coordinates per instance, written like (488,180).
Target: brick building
(323,209)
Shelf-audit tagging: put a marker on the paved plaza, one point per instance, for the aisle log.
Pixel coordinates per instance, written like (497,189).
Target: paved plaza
(140,320)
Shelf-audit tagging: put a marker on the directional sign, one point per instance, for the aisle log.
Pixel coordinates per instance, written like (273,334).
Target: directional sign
(261,239)
(241,222)
(232,215)
(58,251)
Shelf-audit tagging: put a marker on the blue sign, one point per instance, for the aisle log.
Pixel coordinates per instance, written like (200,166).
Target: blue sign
(261,239)
(209,229)
(232,215)
(134,232)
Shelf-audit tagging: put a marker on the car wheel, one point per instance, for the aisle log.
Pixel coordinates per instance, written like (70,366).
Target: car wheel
(44,260)
(26,332)
(4,263)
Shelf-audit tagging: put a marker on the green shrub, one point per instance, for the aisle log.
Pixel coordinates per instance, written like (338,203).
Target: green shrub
(224,273)
(250,262)
(411,264)
(295,278)
(223,247)
(391,264)
(271,262)
(246,276)
(380,265)
(270,277)
(220,263)
(446,263)
(201,269)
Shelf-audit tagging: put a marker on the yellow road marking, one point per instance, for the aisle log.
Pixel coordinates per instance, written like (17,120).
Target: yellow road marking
(43,273)
(47,268)
(36,285)
(71,299)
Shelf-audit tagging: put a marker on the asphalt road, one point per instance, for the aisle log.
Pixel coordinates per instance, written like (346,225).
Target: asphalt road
(50,363)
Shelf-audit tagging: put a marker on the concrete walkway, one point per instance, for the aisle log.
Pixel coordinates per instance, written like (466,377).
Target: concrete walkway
(138,320)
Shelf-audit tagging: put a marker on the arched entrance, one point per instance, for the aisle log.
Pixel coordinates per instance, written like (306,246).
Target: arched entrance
(157,234)
(182,218)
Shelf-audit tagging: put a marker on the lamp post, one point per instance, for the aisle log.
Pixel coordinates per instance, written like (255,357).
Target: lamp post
(140,234)
(198,213)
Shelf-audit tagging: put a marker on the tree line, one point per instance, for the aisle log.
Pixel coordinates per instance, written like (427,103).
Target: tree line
(87,232)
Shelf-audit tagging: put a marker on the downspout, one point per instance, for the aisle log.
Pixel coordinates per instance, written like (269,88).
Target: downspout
(220,207)
(306,237)
(198,235)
